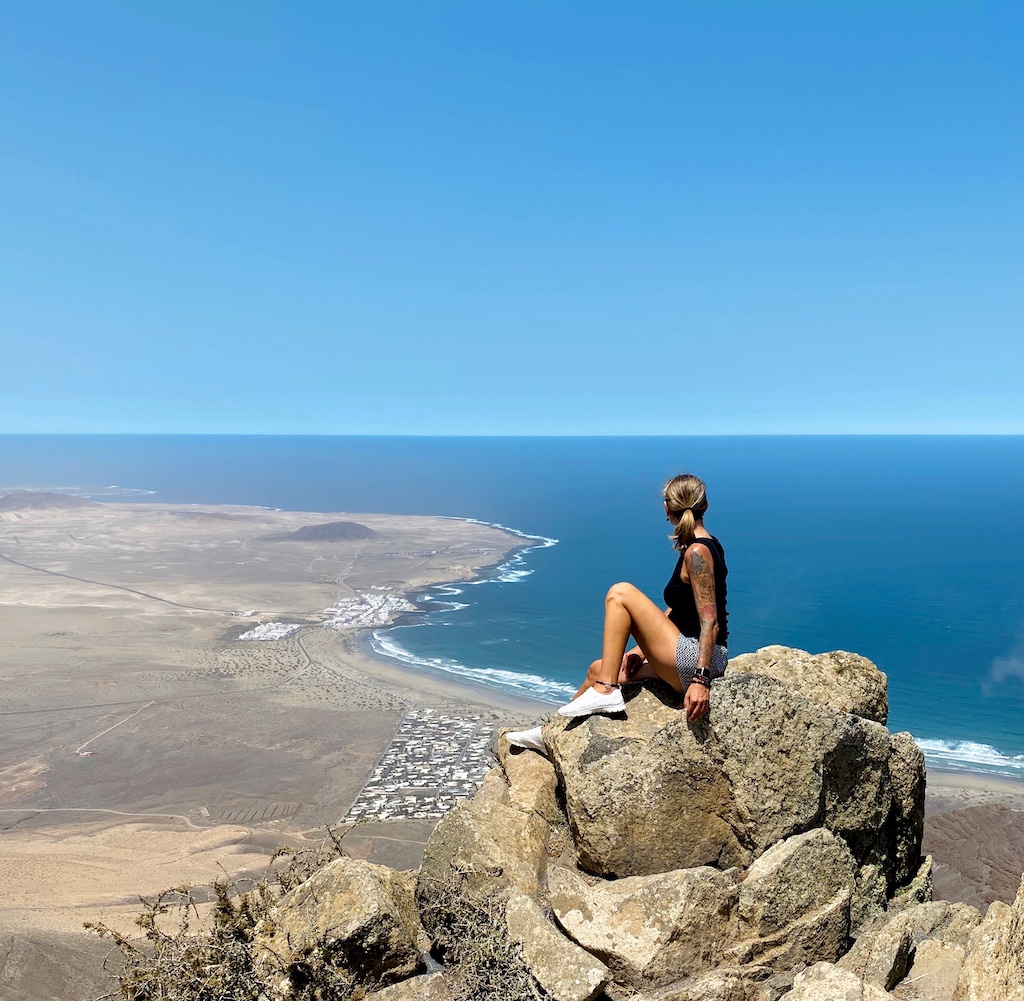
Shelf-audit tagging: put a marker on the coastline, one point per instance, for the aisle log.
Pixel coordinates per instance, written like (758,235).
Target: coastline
(461,680)
(437,683)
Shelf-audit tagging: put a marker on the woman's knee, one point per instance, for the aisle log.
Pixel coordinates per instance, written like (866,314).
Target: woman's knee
(594,671)
(619,594)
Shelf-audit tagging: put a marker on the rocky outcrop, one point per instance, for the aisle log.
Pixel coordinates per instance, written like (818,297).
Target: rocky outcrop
(794,904)
(488,846)
(839,680)
(769,851)
(651,792)
(648,929)
(563,970)
(882,956)
(993,969)
(352,917)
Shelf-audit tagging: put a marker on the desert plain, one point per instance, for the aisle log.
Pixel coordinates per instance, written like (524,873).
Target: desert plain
(147,739)
(184,688)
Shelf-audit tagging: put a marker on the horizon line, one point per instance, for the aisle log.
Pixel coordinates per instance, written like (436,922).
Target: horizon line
(351,434)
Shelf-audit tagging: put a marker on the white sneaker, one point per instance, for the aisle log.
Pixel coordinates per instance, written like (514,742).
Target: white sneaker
(593,701)
(532,739)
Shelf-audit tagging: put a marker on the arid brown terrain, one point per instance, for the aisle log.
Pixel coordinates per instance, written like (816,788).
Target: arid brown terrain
(144,743)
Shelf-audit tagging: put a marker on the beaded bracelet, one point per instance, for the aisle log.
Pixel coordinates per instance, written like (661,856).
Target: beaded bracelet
(701,679)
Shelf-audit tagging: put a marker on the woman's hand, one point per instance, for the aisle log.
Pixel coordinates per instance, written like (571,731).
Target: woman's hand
(697,701)
(632,661)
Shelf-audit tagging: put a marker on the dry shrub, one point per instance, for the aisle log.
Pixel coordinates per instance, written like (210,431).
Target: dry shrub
(472,936)
(181,957)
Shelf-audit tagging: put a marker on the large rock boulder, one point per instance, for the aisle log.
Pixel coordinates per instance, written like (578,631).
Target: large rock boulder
(993,969)
(563,970)
(882,955)
(649,930)
(480,850)
(825,982)
(653,792)
(532,782)
(794,904)
(935,970)
(842,681)
(923,943)
(352,920)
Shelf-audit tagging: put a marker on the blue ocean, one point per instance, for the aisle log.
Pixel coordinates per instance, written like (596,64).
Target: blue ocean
(908,550)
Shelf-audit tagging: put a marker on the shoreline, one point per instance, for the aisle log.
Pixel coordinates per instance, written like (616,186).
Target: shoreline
(426,677)
(953,789)
(439,682)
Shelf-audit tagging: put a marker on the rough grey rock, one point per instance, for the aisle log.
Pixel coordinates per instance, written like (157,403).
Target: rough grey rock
(641,795)
(905,827)
(794,878)
(919,890)
(993,969)
(842,681)
(652,792)
(478,851)
(882,955)
(721,985)
(822,932)
(532,782)
(794,904)
(563,970)
(429,987)
(870,896)
(935,971)
(650,930)
(352,915)
(825,982)
(944,921)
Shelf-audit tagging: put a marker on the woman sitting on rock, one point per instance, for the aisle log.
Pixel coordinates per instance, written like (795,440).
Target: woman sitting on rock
(685,645)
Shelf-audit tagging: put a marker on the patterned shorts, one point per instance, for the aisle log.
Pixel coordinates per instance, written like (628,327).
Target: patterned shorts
(686,660)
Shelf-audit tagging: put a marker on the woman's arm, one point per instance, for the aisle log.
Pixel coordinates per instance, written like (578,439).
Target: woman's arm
(701,569)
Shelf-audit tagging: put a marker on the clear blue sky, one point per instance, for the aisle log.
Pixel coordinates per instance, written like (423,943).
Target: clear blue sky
(511,217)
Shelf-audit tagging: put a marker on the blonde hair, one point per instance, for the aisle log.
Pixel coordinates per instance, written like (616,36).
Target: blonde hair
(686,499)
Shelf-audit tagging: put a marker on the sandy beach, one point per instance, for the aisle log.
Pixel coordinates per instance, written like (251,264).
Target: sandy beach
(149,736)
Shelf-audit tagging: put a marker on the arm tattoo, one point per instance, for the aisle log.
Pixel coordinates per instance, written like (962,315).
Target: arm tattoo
(703,580)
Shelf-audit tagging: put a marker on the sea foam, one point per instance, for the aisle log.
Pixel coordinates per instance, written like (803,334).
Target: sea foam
(533,686)
(970,756)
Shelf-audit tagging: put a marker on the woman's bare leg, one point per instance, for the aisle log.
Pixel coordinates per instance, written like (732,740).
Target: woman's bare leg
(629,612)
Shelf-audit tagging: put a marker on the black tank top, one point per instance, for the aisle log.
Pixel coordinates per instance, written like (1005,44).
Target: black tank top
(679,596)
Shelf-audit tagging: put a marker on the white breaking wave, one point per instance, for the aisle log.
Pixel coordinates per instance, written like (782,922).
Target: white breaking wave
(511,571)
(532,685)
(970,756)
